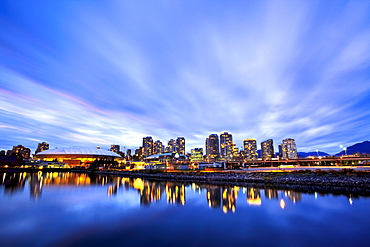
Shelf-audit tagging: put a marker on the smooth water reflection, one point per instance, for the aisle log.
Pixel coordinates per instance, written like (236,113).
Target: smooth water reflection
(69,209)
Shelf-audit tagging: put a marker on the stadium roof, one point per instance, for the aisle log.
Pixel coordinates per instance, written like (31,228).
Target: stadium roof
(78,151)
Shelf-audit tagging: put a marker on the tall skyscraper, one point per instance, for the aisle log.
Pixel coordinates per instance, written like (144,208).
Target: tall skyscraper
(147,146)
(288,149)
(267,149)
(226,145)
(212,147)
(180,145)
(158,147)
(115,148)
(42,147)
(250,149)
(171,146)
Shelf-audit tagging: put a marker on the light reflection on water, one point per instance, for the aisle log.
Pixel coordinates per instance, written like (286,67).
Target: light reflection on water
(77,209)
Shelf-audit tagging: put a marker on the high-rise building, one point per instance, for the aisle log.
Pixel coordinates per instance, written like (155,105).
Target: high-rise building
(288,149)
(42,147)
(20,150)
(147,146)
(158,147)
(250,149)
(226,145)
(171,146)
(267,149)
(139,154)
(212,147)
(115,148)
(235,152)
(180,145)
(196,154)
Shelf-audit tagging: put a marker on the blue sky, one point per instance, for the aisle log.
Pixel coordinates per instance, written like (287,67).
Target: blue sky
(111,72)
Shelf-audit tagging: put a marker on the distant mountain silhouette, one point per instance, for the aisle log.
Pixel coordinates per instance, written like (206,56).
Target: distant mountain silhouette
(300,154)
(306,154)
(362,148)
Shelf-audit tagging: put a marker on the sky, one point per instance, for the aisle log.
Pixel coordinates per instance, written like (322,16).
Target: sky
(88,73)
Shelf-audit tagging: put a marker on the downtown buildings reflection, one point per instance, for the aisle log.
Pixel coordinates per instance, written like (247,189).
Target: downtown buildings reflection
(217,197)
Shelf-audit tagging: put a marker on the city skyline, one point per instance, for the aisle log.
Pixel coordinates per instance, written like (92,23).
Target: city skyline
(87,74)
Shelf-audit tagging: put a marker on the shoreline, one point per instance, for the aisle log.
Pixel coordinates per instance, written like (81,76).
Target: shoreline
(345,181)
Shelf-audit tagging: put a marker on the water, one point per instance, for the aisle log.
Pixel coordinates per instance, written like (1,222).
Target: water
(66,209)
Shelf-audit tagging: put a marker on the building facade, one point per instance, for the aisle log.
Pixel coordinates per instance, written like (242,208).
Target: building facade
(20,151)
(77,156)
(158,147)
(250,149)
(171,146)
(196,154)
(226,146)
(115,148)
(212,147)
(288,149)
(180,145)
(42,147)
(148,146)
(267,149)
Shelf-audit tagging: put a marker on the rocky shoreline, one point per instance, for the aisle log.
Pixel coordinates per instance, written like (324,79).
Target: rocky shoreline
(326,181)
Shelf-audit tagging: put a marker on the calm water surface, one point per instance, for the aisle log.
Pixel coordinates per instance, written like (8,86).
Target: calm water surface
(67,209)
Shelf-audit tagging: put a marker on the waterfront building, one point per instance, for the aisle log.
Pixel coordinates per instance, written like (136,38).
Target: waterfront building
(20,151)
(139,154)
(171,146)
(115,148)
(250,149)
(148,146)
(226,145)
(196,154)
(212,147)
(164,158)
(288,149)
(158,147)
(235,152)
(281,151)
(77,156)
(180,145)
(267,149)
(42,147)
